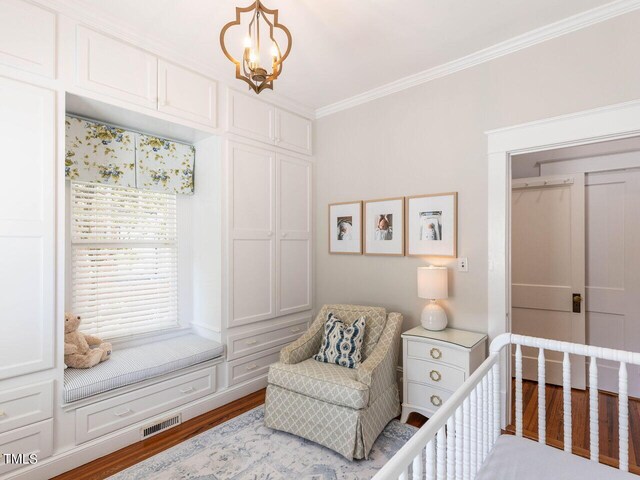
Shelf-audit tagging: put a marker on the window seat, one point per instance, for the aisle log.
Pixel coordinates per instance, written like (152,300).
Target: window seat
(135,364)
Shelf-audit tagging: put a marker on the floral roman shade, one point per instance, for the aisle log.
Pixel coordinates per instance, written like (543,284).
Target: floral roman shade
(104,154)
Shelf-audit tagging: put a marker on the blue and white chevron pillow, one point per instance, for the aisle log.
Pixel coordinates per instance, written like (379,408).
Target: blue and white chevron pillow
(341,344)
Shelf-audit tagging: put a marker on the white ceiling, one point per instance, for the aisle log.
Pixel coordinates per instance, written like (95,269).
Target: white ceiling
(344,47)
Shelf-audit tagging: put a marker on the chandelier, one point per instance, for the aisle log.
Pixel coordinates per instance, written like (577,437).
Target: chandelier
(250,69)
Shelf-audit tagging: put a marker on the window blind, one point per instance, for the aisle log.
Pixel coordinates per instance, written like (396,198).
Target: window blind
(124,259)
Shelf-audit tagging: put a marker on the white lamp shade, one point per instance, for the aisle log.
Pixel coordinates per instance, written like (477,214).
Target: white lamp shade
(432,282)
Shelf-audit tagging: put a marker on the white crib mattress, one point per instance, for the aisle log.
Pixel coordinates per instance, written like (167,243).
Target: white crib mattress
(518,458)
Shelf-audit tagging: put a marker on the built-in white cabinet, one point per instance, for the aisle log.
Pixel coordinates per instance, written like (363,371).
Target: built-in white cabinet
(253,118)
(270,241)
(186,94)
(116,69)
(27,227)
(27,37)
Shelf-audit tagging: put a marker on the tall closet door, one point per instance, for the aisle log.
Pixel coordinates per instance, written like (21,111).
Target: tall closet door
(251,213)
(294,254)
(27,228)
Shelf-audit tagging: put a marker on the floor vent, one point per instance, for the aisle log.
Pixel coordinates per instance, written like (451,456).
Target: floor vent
(160,426)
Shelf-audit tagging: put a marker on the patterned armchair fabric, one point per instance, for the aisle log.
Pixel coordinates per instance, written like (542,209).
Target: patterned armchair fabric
(341,408)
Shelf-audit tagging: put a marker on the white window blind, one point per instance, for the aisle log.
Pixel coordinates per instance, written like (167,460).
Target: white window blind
(124,259)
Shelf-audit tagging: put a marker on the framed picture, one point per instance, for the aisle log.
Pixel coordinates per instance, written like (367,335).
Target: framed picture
(432,224)
(345,228)
(384,226)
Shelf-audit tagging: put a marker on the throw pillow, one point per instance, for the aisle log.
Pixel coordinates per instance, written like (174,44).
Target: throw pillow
(341,344)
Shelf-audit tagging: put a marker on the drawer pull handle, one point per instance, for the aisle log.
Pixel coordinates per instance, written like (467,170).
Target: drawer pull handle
(435,353)
(295,330)
(2,414)
(435,375)
(252,342)
(253,366)
(436,401)
(123,413)
(187,390)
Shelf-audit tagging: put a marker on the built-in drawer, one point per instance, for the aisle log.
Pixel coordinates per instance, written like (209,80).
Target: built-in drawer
(243,344)
(118,412)
(252,366)
(432,373)
(25,405)
(438,353)
(26,445)
(426,396)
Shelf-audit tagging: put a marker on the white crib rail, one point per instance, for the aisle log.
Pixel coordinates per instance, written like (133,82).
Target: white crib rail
(455,441)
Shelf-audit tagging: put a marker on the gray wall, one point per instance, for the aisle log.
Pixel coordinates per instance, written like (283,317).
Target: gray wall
(431,139)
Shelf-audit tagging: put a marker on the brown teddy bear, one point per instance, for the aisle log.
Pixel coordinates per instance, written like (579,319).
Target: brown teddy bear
(78,351)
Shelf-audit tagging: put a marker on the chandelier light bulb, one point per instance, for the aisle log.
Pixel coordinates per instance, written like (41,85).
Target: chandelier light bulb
(247,42)
(274,50)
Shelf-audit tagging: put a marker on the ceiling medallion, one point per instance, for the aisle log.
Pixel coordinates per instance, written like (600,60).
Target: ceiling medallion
(249,69)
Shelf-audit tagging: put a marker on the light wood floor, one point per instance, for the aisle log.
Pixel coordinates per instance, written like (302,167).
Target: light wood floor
(128,456)
(608,415)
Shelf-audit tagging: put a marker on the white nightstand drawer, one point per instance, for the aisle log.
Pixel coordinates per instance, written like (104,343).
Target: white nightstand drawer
(438,353)
(26,405)
(436,374)
(426,396)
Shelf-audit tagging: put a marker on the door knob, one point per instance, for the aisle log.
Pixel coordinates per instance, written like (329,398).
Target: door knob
(577,303)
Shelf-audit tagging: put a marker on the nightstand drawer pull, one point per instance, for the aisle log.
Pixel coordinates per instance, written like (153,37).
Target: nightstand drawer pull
(435,375)
(435,353)
(436,401)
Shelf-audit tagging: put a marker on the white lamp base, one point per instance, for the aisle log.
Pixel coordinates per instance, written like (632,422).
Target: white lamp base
(433,317)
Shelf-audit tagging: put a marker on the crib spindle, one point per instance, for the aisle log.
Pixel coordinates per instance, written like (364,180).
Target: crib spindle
(459,441)
(441,455)
(474,432)
(480,436)
(417,468)
(485,418)
(466,446)
(430,463)
(542,403)
(403,476)
(566,398)
(451,445)
(496,403)
(490,407)
(623,417)
(518,390)
(593,409)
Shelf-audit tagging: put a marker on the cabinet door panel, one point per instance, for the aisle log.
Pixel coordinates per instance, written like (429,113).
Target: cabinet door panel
(27,37)
(293,132)
(294,195)
(252,272)
(186,94)
(250,117)
(27,228)
(116,69)
(295,275)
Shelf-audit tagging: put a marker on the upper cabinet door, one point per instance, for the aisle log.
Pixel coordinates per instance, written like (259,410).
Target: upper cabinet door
(293,132)
(27,228)
(27,37)
(186,94)
(250,117)
(116,69)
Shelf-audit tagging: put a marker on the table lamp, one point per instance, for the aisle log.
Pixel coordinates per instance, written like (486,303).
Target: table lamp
(433,285)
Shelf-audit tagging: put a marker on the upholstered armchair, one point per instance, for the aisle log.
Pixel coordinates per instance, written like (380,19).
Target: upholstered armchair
(342,408)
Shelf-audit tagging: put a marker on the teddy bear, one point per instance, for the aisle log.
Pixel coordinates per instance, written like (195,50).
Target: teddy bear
(78,351)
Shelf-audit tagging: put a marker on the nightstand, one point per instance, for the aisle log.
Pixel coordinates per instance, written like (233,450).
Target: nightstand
(435,364)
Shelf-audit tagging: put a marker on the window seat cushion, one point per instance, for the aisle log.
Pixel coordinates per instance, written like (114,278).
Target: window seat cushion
(135,364)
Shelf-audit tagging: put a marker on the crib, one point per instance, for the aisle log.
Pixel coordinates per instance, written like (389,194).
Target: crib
(463,439)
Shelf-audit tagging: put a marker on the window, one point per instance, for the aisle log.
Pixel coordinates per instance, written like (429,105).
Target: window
(124,259)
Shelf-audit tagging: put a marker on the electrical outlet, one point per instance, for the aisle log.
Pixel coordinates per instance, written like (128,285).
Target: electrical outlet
(463,264)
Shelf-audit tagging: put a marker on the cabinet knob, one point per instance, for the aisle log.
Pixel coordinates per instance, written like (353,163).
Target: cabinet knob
(2,414)
(283,234)
(269,234)
(435,375)
(436,401)
(435,353)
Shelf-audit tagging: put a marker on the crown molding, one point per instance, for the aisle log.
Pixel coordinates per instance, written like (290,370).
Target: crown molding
(83,12)
(534,37)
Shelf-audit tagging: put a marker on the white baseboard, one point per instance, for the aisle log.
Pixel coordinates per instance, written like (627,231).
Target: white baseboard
(89,451)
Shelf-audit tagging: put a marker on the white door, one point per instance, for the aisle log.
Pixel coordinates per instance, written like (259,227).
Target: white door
(27,228)
(548,268)
(251,211)
(613,262)
(186,94)
(250,117)
(294,255)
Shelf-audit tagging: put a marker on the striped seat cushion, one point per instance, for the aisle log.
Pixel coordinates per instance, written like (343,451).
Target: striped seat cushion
(134,364)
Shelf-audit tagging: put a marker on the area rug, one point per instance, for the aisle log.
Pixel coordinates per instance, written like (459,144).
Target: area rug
(244,449)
